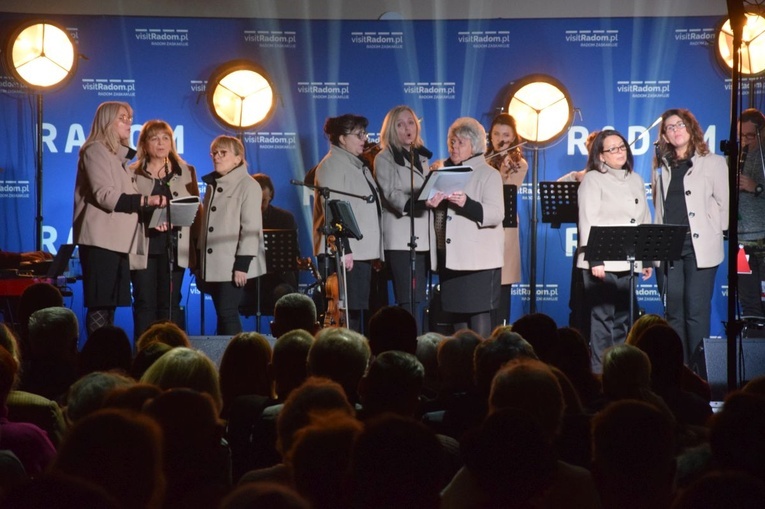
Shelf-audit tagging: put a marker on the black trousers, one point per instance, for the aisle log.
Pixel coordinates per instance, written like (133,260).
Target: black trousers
(153,295)
(609,304)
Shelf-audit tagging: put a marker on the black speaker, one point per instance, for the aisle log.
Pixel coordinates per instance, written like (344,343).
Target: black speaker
(212,346)
(753,365)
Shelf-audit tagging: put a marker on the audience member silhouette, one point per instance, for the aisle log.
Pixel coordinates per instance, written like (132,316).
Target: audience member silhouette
(58,491)
(34,297)
(288,368)
(131,397)
(89,393)
(196,462)
(341,355)
(163,332)
(28,442)
(244,369)
(394,463)
(633,461)
(392,328)
(185,368)
(540,330)
(294,311)
(736,434)
(146,357)
(392,384)
(52,366)
(261,495)
(119,451)
(723,489)
(427,354)
(571,354)
(106,349)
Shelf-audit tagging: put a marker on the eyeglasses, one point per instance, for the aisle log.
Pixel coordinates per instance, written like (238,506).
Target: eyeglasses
(221,153)
(671,128)
(125,119)
(362,135)
(748,136)
(614,150)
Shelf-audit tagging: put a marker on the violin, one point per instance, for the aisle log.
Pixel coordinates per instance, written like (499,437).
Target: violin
(370,152)
(507,161)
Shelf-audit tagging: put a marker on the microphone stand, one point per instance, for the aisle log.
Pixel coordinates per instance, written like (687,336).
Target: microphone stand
(170,244)
(412,237)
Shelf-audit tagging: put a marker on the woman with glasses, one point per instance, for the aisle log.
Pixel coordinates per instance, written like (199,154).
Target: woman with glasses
(348,179)
(106,206)
(231,248)
(690,188)
(611,194)
(400,169)
(469,234)
(157,284)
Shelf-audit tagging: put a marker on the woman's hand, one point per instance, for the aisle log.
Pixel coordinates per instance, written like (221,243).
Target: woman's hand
(348,261)
(599,272)
(458,198)
(647,272)
(436,200)
(156,200)
(240,278)
(162,227)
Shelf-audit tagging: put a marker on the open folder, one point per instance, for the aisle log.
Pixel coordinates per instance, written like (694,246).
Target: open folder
(447,180)
(182,212)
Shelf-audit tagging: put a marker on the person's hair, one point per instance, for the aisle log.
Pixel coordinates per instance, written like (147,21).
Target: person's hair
(455,360)
(265,183)
(392,328)
(244,367)
(593,159)
(503,119)
(626,372)
(722,489)
(697,145)
(736,434)
(388,135)
(754,116)
(540,330)
(341,355)
(264,494)
(149,129)
(471,129)
(102,131)
(34,297)
(163,332)
(531,386)
(54,489)
(120,451)
(665,352)
(8,370)
(491,354)
(107,348)
(288,361)
(294,311)
(10,342)
(571,354)
(392,384)
(334,127)
(89,393)
(146,357)
(53,332)
(590,139)
(131,397)
(315,396)
(641,324)
(230,143)
(185,368)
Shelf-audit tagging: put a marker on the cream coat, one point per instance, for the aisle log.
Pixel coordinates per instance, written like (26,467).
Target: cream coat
(511,268)
(181,186)
(343,171)
(232,226)
(613,198)
(102,177)
(706,198)
(471,245)
(395,183)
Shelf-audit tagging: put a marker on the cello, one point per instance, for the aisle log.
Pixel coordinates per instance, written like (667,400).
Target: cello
(334,316)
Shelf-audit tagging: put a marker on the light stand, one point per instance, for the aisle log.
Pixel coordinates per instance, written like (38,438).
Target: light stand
(543,112)
(42,56)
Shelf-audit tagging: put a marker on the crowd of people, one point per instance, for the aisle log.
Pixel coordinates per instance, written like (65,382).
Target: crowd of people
(324,417)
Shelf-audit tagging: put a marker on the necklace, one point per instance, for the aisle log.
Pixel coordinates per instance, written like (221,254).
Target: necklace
(163,169)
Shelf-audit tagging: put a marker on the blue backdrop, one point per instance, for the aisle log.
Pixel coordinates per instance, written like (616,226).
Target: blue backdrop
(621,73)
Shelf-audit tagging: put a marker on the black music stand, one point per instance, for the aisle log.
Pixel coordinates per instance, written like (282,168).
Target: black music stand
(282,254)
(645,242)
(510,193)
(560,203)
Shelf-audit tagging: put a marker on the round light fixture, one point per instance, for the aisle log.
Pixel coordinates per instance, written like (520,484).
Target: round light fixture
(41,55)
(240,95)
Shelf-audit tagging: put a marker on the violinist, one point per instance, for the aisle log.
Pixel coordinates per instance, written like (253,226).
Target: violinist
(504,154)
(343,171)
(400,169)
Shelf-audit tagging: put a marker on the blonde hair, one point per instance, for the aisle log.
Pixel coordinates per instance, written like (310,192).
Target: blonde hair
(388,135)
(102,131)
(230,143)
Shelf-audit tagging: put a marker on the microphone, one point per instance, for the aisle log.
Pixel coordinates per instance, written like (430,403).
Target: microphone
(369,198)
(295,182)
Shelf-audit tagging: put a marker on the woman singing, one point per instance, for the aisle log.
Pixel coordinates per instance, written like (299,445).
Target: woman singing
(610,194)
(400,169)
(349,179)
(231,245)
(690,188)
(470,239)
(157,285)
(505,155)
(106,205)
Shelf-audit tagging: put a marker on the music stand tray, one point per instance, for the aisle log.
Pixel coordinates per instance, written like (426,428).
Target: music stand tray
(560,202)
(510,193)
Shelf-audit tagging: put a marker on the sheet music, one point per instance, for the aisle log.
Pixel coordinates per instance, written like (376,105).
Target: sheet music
(182,212)
(447,180)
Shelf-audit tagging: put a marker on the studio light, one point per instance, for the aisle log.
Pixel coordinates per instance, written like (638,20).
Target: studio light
(751,50)
(240,95)
(543,112)
(41,56)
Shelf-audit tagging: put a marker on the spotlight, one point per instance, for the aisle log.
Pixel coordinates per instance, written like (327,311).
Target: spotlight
(542,109)
(240,95)
(752,49)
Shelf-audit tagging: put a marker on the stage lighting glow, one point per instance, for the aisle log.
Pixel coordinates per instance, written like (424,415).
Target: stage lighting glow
(240,95)
(41,55)
(752,49)
(541,107)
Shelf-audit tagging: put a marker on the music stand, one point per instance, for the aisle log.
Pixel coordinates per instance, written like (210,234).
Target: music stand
(560,203)
(645,242)
(510,194)
(282,254)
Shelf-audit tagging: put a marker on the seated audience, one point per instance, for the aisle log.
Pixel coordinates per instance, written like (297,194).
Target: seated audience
(571,354)
(244,369)
(736,435)
(146,357)
(264,494)
(341,355)
(722,489)
(540,330)
(392,328)
(89,393)
(34,297)
(294,311)
(107,349)
(163,332)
